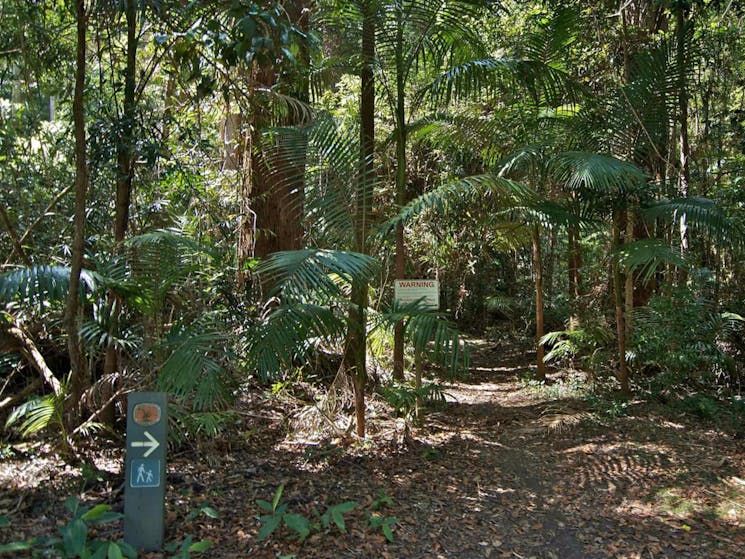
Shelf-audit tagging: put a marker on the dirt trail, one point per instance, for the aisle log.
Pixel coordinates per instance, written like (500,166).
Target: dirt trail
(502,470)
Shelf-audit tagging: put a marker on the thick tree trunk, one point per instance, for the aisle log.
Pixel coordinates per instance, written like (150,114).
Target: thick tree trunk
(538,265)
(78,373)
(277,177)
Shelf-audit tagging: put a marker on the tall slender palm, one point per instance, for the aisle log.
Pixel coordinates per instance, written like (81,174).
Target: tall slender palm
(413,36)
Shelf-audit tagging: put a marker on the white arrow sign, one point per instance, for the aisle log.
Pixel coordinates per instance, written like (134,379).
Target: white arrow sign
(152,443)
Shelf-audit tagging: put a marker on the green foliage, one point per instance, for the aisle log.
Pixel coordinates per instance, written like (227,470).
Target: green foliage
(715,409)
(584,344)
(185,549)
(73,540)
(335,514)
(42,284)
(646,257)
(383,523)
(37,414)
(404,399)
(270,522)
(203,509)
(378,521)
(677,335)
(301,526)
(382,500)
(607,407)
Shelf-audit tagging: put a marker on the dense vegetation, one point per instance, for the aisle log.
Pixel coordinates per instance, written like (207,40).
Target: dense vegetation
(213,197)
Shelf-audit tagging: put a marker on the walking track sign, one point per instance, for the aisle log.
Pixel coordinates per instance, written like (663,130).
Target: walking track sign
(145,470)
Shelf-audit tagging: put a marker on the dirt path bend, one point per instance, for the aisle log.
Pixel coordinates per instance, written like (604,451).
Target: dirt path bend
(504,469)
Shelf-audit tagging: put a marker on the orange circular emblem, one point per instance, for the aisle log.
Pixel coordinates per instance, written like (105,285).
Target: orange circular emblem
(146,414)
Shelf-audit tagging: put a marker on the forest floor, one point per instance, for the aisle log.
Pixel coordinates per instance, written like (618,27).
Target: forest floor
(503,469)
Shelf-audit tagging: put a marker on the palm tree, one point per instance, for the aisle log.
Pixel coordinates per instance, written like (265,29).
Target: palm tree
(412,36)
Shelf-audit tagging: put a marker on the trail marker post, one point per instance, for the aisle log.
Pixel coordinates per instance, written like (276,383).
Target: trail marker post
(145,470)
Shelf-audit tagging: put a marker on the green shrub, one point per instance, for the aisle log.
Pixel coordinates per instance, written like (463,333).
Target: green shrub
(675,337)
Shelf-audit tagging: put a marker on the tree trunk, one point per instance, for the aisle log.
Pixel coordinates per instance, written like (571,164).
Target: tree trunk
(78,373)
(629,280)
(14,339)
(401,175)
(126,146)
(537,265)
(685,150)
(357,332)
(277,174)
(17,247)
(623,375)
(574,257)
(126,156)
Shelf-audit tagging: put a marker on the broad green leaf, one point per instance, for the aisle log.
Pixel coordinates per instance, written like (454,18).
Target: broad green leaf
(96,512)
(270,523)
(114,551)
(101,552)
(298,523)
(74,537)
(266,505)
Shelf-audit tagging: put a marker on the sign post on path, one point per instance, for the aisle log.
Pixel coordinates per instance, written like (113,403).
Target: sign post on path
(145,470)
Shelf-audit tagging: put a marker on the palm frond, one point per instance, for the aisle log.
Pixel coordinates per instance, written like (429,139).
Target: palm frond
(537,70)
(300,273)
(35,415)
(588,173)
(700,212)
(288,332)
(418,32)
(469,189)
(433,335)
(646,256)
(194,369)
(42,284)
(96,335)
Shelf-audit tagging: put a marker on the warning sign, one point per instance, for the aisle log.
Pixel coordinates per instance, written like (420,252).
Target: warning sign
(426,291)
